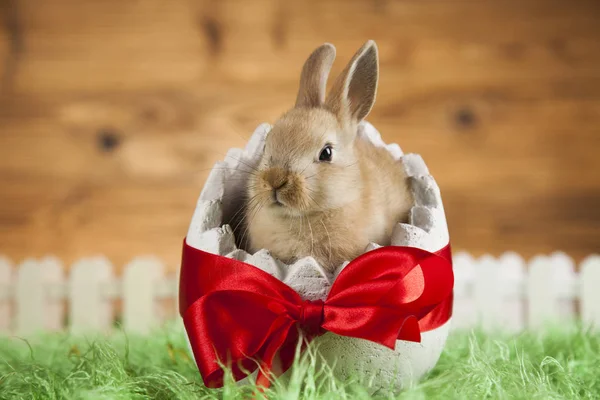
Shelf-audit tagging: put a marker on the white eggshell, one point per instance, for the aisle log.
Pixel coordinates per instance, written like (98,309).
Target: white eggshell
(427,229)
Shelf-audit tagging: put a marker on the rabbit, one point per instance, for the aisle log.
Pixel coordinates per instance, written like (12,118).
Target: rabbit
(320,189)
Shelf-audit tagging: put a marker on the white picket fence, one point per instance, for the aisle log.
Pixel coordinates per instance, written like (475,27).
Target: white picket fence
(505,292)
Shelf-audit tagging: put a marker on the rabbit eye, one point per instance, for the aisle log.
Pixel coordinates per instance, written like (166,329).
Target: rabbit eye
(326,154)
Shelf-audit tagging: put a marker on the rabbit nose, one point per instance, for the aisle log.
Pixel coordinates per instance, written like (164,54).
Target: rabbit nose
(275,192)
(276,188)
(276,178)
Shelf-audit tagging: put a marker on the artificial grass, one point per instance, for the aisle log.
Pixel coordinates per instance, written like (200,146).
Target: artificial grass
(558,363)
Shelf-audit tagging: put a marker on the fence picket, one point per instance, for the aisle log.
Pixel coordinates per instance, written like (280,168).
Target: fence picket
(464,313)
(89,308)
(511,274)
(550,286)
(565,285)
(140,306)
(488,293)
(542,300)
(5,294)
(36,308)
(590,293)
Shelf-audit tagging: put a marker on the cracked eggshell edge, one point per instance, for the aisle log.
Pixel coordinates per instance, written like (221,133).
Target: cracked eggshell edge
(427,229)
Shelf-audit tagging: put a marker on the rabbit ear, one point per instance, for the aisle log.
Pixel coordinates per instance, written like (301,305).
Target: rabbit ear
(353,93)
(313,80)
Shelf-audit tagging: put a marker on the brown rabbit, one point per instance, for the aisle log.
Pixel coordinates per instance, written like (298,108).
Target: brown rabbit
(321,190)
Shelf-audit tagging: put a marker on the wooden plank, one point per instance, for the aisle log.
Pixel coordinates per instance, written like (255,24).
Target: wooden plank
(128,218)
(117,111)
(173,42)
(119,220)
(89,129)
(527,224)
(107,44)
(11,45)
(63,164)
(4,47)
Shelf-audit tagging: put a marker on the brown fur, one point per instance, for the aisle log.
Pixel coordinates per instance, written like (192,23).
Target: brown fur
(329,211)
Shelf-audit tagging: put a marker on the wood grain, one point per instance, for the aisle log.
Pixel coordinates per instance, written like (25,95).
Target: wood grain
(112,113)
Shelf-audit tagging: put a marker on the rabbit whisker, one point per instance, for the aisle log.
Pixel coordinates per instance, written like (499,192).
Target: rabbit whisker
(328,238)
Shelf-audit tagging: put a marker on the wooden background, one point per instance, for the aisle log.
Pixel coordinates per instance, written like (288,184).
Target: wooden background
(112,112)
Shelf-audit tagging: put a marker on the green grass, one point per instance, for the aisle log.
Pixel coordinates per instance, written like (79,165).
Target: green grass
(554,364)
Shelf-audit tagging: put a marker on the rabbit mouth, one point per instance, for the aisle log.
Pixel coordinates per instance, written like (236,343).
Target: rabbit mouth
(286,210)
(276,198)
(275,195)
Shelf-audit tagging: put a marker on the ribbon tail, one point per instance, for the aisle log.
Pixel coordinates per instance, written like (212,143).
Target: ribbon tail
(410,331)
(438,316)
(271,351)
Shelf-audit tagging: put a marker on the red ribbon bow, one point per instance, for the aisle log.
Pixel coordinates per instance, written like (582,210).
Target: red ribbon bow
(234,312)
